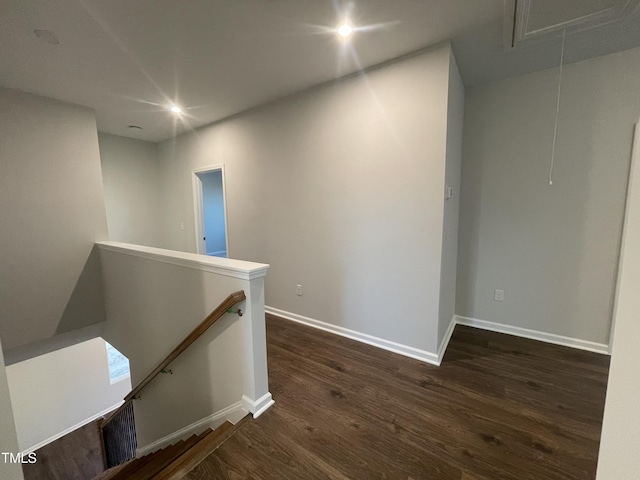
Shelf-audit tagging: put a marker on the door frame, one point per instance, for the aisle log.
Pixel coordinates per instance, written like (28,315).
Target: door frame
(198,211)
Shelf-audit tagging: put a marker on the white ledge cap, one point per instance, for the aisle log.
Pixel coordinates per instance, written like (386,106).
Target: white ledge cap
(221,266)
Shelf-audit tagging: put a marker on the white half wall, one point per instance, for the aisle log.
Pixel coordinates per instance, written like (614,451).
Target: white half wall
(340,189)
(552,249)
(154,299)
(620,443)
(52,213)
(56,393)
(131,190)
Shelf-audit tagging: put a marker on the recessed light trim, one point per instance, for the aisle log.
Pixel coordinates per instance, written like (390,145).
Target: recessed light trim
(134,127)
(345,30)
(175,109)
(47,36)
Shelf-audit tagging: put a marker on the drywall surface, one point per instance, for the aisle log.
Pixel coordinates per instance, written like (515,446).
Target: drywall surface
(448,270)
(56,393)
(131,189)
(213,211)
(620,443)
(9,437)
(52,213)
(154,299)
(339,189)
(552,249)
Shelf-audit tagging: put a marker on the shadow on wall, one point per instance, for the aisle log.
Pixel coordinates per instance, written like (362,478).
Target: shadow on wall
(86,304)
(82,319)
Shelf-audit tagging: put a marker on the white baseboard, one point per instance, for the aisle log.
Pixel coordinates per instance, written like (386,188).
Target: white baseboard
(533,334)
(233,413)
(405,350)
(436,359)
(258,407)
(445,340)
(66,431)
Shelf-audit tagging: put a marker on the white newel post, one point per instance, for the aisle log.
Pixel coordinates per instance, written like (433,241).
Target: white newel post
(256,396)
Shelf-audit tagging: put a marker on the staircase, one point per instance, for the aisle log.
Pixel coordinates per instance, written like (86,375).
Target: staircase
(174,461)
(118,429)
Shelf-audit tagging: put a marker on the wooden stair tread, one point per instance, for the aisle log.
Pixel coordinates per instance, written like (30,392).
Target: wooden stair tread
(173,461)
(147,461)
(161,460)
(192,458)
(135,465)
(124,470)
(110,473)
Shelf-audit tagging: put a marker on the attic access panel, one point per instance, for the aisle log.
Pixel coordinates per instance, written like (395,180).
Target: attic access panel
(530,21)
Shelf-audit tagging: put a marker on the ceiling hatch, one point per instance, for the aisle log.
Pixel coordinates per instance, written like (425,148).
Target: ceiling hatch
(529,21)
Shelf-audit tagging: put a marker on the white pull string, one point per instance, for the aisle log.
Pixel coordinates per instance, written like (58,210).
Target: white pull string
(555,127)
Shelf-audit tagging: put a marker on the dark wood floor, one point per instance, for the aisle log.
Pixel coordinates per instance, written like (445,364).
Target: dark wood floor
(499,408)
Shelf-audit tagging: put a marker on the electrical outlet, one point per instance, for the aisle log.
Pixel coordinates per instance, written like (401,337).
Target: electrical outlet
(181,225)
(498,296)
(299,290)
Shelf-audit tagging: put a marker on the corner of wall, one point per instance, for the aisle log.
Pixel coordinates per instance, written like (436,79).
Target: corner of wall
(451,193)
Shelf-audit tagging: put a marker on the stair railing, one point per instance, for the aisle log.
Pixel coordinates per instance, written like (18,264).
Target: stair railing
(117,429)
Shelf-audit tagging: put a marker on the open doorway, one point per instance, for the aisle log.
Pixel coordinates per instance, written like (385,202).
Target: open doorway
(210,211)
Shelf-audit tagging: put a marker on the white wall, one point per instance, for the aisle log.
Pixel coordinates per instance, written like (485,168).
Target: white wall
(340,189)
(52,213)
(455,122)
(131,190)
(154,299)
(552,249)
(56,393)
(8,436)
(620,444)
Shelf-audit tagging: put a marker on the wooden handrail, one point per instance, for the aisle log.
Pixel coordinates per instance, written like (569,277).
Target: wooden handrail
(212,318)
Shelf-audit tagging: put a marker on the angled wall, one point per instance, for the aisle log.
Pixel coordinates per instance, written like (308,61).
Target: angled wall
(52,213)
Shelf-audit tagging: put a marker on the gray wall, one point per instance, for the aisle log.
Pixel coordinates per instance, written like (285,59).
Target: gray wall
(131,190)
(553,249)
(304,180)
(455,122)
(52,213)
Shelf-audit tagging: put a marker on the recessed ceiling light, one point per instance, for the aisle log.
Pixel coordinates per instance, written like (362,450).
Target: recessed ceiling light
(135,127)
(47,36)
(345,30)
(175,109)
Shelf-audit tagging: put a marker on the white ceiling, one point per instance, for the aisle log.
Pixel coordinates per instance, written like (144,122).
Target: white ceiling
(128,59)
